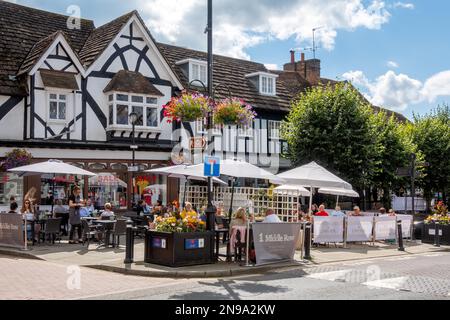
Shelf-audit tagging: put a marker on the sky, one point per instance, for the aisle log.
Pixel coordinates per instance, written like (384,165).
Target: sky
(396,52)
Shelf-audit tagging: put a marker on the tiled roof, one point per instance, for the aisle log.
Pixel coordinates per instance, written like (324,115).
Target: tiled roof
(133,82)
(37,51)
(101,37)
(20,29)
(230,72)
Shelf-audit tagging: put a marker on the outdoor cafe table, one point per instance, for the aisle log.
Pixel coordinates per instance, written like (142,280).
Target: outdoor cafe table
(107,226)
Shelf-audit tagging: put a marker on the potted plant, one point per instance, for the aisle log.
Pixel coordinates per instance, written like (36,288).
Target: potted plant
(438,220)
(187,108)
(233,111)
(177,242)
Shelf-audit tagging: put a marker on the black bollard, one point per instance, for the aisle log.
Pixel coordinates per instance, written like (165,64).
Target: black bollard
(400,236)
(129,250)
(436,235)
(307,243)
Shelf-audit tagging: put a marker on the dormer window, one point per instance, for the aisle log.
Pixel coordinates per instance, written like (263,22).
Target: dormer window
(195,70)
(265,82)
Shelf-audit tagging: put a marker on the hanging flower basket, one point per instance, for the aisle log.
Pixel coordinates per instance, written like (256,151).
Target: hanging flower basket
(187,108)
(233,111)
(15,158)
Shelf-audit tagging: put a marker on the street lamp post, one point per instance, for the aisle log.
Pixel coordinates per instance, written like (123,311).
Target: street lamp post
(133,120)
(210,211)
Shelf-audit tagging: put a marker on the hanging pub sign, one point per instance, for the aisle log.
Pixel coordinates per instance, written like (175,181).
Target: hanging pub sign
(197,143)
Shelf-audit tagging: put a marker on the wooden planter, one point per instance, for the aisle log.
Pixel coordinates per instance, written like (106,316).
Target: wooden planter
(429,231)
(178,249)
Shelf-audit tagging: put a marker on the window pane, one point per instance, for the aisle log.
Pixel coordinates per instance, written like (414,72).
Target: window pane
(195,72)
(138,99)
(203,76)
(53,110)
(122,97)
(122,114)
(62,110)
(151,100)
(140,112)
(62,97)
(53,96)
(270,89)
(264,84)
(111,115)
(152,117)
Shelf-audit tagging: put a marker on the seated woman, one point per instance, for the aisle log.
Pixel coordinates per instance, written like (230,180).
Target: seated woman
(338,212)
(188,211)
(107,213)
(28,215)
(322,212)
(239,219)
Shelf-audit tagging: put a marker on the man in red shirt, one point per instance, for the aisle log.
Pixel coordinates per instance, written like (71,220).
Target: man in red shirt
(322,212)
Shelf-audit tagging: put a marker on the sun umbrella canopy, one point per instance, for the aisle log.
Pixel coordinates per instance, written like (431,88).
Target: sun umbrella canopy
(294,190)
(51,167)
(183,171)
(339,192)
(240,169)
(314,175)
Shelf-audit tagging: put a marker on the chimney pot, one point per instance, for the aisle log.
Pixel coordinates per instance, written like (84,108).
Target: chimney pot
(292,56)
(303,56)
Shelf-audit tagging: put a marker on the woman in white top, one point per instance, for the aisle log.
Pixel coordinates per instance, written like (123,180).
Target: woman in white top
(28,214)
(107,213)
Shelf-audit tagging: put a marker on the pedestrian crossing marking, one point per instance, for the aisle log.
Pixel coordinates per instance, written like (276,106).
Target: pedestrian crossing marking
(330,276)
(391,283)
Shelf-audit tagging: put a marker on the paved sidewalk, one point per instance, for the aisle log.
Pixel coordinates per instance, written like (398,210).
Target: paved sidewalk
(112,259)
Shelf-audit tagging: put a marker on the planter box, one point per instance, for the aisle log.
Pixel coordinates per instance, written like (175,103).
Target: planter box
(178,249)
(429,231)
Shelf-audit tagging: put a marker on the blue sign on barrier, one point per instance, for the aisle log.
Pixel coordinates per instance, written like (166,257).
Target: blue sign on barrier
(212,167)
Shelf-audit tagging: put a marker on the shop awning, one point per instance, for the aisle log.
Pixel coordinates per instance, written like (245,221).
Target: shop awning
(59,79)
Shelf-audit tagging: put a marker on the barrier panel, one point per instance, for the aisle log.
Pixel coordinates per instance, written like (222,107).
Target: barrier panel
(11,230)
(407,224)
(275,242)
(385,228)
(328,229)
(359,229)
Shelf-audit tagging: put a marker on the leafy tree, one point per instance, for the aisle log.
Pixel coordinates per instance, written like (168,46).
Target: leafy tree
(332,125)
(432,135)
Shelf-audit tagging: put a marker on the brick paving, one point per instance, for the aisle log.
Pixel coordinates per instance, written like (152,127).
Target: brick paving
(33,279)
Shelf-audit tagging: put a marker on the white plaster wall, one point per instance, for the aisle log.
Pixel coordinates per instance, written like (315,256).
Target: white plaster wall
(11,126)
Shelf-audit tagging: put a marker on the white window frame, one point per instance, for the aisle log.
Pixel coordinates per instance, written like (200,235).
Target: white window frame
(202,70)
(245,131)
(270,83)
(68,102)
(200,127)
(145,106)
(274,127)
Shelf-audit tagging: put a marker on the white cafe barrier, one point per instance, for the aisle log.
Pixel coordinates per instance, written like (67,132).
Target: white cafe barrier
(407,223)
(328,229)
(359,229)
(385,228)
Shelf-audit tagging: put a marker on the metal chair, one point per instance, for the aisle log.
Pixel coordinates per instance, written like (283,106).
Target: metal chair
(120,229)
(88,232)
(64,221)
(53,228)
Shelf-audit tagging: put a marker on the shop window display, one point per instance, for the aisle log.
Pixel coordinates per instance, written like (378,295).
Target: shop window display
(109,187)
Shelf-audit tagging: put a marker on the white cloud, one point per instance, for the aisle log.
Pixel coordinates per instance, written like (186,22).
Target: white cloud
(271,66)
(239,25)
(392,64)
(404,5)
(398,91)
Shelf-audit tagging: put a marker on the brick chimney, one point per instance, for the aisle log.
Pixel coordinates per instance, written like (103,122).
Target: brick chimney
(309,69)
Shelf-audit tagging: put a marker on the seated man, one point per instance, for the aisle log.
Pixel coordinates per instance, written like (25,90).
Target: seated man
(59,208)
(382,211)
(338,212)
(271,217)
